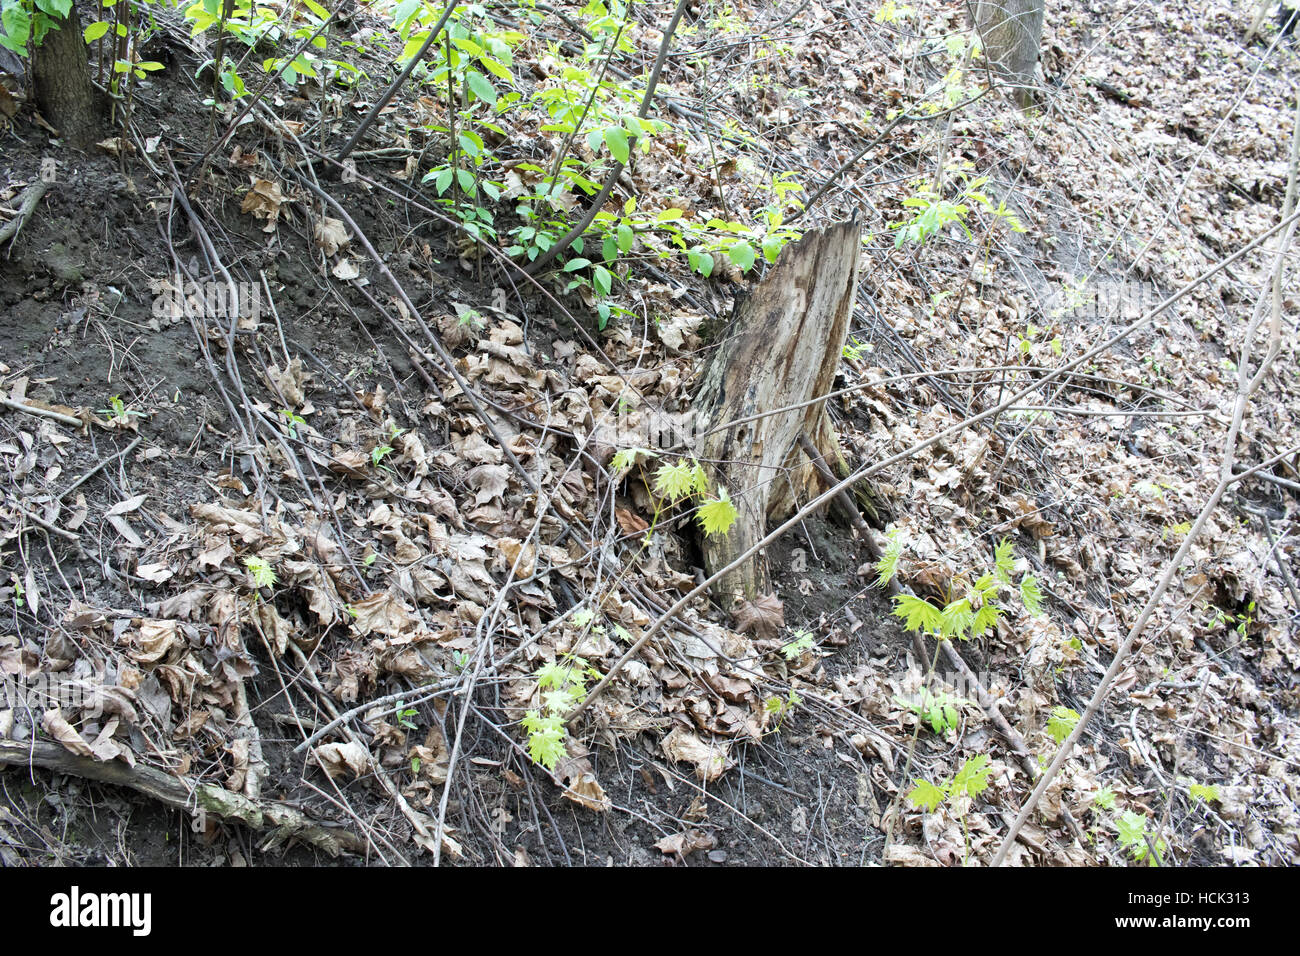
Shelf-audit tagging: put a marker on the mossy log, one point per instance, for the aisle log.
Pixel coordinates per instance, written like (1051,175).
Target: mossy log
(763,385)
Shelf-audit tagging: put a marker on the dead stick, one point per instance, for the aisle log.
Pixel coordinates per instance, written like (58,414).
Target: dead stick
(182,793)
(100,467)
(26,205)
(59,417)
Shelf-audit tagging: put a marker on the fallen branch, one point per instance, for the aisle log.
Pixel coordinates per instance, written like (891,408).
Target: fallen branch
(183,793)
(59,417)
(26,206)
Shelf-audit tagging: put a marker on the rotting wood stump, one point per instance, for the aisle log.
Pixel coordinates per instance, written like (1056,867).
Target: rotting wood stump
(779,357)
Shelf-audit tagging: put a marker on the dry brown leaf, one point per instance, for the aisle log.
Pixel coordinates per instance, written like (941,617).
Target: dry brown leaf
(686,842)
(764,617)
(57,726)
(343,758)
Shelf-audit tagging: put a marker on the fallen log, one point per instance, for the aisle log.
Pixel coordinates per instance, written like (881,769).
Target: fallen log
(181,793)
(764,384)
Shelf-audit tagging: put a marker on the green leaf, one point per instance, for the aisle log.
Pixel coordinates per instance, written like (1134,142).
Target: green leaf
(917,615)
(926,796)
(602,280)
(95,31)
(957,619)
(1031,595)
(1062,723)
(1201,791)
(496,68)
(481,87)
(699,480)
(668,215)
(404,11)
(743,255)
(973,778)
(628,457)
(545,738)
(573,265)
(263,575)
(616,140)
(471,144)
(674,482)
(986,617)
(887,566)
(701,262)
(58,9)
(1004,560)
(18,26)
(552,674)
(625,237)
(1132,830)
(717,516)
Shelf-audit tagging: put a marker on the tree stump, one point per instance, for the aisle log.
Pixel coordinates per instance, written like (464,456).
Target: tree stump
(780,357)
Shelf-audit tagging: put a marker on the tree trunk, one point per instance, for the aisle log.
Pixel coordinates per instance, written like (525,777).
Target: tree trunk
(1010,31)
(783,350)
(61,75)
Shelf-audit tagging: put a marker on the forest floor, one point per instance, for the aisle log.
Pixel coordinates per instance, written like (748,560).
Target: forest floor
(318,580)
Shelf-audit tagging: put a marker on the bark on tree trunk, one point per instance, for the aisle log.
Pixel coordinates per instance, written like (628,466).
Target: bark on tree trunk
(1010,32)
(783,350)
(61,75)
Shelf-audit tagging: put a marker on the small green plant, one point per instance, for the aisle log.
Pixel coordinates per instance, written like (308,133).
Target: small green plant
(934,212)
(562,685)
(292,421)
(1133,837)
(780,707)
(794,649)
(1203,791)
(1104,798)
(405,715)
(263,574)
(891,12)
(958,792)
(681,482)
(854,350)
(1062,723)
(118,411)
(939,710)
